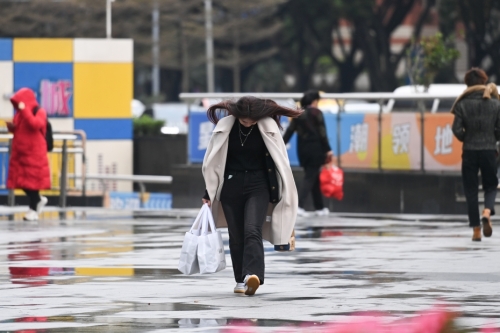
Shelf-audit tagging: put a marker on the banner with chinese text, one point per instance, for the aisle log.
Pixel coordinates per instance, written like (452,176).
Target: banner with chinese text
(442,150)
(359,141)
(401,141)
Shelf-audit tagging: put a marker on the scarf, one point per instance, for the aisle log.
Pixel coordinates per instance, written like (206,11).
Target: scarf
(488,90)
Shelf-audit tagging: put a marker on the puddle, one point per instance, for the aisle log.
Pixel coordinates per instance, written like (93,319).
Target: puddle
(320,232)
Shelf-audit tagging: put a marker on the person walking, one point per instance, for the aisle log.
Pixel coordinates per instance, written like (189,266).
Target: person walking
(28,164)
(249,183)
(313,150)
(477,125)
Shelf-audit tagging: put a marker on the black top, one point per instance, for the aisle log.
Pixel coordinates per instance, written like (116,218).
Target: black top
(477,122)
(247,157)
(312,144)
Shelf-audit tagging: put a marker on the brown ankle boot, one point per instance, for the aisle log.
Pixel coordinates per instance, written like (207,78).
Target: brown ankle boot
(476,236)
(486,221)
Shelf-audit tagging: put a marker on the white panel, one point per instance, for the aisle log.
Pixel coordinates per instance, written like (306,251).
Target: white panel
(62,124)
(108,157)
(103,50)
(6,88)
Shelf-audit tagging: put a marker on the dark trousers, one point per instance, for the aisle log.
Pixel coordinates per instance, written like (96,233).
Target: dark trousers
(245,198)
(310,184)
(34,198)
(472,162)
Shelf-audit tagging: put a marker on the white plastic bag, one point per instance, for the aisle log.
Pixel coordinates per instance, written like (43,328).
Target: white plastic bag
(188,261)
(211,256)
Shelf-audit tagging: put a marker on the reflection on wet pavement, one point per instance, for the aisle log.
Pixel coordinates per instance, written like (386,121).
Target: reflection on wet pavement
(119,275)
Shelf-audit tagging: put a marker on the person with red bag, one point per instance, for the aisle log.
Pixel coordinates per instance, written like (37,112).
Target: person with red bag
(313,150)
(29,164)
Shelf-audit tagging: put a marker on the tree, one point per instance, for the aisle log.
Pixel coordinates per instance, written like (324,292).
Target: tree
(480,18)
(375,24)
(427,57)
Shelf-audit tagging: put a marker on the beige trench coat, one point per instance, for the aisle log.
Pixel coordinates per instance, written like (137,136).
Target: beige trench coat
(280,220)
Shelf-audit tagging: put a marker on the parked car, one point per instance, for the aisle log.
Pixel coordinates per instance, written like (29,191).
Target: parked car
(432,106)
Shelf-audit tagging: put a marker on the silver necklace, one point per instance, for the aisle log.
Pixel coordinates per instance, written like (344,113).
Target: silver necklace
(245,135)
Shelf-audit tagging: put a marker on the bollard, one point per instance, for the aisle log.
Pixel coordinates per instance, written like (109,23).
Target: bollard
(62,182)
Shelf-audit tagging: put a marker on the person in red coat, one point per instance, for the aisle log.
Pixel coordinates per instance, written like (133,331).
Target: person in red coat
(29,165)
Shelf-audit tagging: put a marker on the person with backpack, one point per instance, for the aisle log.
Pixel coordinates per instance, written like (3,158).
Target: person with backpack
(29,164)
(313,150)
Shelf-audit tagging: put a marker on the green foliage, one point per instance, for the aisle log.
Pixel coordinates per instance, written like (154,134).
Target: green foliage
(147,126)
(428,56)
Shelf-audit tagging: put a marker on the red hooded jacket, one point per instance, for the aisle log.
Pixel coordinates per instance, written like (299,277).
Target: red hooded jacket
(28,165)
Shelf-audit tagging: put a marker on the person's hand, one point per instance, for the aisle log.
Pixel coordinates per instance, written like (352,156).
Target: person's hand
(10,126)
(205,201)
(329,157)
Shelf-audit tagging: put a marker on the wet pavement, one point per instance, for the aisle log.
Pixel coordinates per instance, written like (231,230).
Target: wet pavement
(114,273)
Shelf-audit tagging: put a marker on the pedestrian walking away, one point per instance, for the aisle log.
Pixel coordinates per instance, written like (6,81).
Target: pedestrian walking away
(28,164)
(477,125)
(313,150)
(249,183)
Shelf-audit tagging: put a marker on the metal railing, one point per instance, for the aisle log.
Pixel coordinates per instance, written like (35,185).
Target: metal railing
(64,150)
(341,98)
(139,179)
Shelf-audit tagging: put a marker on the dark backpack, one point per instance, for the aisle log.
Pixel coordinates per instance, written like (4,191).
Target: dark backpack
(48,133)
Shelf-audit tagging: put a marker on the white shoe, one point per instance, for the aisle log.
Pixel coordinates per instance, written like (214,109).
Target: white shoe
(31,215)
(252,283)
(324,212)
(43,201)
(301,212)
(240,288)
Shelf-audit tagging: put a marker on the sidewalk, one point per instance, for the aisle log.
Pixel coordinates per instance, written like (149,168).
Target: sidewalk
(114,273)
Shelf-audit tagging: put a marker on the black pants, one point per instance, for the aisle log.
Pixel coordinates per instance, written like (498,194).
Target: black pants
(472,162)
(311,185)
(245,198)
(34,198)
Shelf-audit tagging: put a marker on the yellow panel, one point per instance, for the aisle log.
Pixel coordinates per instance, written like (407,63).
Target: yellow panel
(104,271)
(43,50)
(103,90)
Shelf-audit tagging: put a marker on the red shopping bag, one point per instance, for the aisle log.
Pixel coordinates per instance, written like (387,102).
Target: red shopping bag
(331,181)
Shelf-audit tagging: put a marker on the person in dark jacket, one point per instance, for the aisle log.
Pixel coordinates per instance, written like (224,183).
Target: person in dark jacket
(29,164)
(313,149)
(477,125)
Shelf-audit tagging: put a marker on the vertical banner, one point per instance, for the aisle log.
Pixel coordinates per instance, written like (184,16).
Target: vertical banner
(401,141)
(200,132)
(442,150)
(359,141)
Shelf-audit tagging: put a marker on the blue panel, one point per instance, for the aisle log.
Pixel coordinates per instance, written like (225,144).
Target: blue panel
(131,200)
(106,129)
(347,121)
(331,131)
(52,83)
(200,132)
(5,49)
(291,146)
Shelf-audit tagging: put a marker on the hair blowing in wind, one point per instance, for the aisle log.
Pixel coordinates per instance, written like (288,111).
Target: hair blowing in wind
(251,107)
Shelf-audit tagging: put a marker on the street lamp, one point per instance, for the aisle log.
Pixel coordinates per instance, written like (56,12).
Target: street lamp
(209,45)
(108,18)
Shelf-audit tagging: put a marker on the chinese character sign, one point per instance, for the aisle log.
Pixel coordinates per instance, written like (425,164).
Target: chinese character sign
(442,150)
(444,139)
(55,97)
(359,138)
(401,141)
(205,133)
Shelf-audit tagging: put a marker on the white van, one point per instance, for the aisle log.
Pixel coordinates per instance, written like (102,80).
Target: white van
(432,106)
